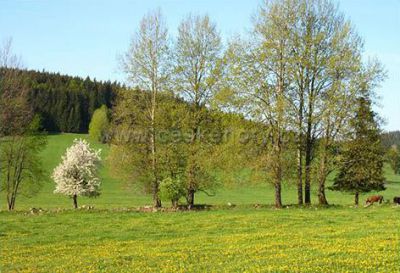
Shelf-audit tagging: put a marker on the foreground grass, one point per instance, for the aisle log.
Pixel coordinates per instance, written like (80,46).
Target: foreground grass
(238,240)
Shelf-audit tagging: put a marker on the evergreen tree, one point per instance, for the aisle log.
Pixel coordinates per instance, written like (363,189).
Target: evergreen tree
(361,166)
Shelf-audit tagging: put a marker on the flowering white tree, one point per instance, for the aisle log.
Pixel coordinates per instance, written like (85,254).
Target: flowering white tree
(77,173)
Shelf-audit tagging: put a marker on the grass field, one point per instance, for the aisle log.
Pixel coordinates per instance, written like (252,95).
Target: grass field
(242,239)
(236,240)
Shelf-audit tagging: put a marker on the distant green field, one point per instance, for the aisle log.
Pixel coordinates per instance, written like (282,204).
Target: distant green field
(116,194)
(241,239)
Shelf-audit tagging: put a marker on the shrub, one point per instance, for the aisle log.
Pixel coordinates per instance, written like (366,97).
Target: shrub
(172,188)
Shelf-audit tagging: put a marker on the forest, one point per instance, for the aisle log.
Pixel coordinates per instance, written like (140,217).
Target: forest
(65,103)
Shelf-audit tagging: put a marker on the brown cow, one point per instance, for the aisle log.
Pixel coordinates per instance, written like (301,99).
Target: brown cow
(374,198)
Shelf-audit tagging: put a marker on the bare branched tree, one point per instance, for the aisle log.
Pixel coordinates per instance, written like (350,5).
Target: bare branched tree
(20,142)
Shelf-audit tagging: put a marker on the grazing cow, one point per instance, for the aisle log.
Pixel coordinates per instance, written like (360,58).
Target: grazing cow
(374,198)
(396,200)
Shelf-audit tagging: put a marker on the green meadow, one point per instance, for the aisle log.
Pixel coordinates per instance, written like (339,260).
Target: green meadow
(339,238)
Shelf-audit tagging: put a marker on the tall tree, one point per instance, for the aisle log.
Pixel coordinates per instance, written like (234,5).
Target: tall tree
(325,52)
(261,78)
(130,151)
(146,64)
(361,166)
(197,59)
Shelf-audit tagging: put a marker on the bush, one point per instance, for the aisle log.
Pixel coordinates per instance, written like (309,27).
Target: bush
(172,189)
(99,125)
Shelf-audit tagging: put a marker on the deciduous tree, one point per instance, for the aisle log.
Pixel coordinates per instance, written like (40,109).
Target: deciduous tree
(21,167)
(20,141)
(197,74)
(77,174)
(260,77)
(99,125)
(325,55)
(147,67)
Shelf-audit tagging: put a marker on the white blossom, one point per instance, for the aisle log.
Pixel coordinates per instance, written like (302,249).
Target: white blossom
(77,173)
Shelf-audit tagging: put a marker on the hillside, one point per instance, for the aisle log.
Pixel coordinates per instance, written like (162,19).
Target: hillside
(116,194)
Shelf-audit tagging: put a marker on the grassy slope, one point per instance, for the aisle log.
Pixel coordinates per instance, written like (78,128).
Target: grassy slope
(114,194)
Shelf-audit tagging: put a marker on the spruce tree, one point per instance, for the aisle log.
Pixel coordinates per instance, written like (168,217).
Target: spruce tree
(361,166)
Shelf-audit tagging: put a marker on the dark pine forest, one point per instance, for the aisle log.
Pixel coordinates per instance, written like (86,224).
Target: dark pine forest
(65,103)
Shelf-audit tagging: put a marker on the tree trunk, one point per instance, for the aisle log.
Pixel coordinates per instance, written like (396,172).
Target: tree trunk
(321,194)
(278,174)
(174,203)
(13,198)
(322,178)
(156,197)
(356,199)
(10,206)
(75,198)
(307,182)
(192,166)
(278,137)
(278,195)
(309,149)
(300,177)
(190,198)
(300,147)
(153,148)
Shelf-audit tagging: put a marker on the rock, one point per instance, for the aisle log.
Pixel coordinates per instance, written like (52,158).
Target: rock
(87,207)
(35,210)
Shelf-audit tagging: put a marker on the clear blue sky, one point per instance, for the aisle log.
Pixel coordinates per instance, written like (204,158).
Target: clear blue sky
(83,37)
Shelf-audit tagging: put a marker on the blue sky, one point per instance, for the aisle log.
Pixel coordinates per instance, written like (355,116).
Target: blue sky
(84,37)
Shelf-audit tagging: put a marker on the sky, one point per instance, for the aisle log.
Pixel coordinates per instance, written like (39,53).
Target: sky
(85,37)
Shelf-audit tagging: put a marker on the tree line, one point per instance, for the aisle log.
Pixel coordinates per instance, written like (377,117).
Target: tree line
(300,75)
